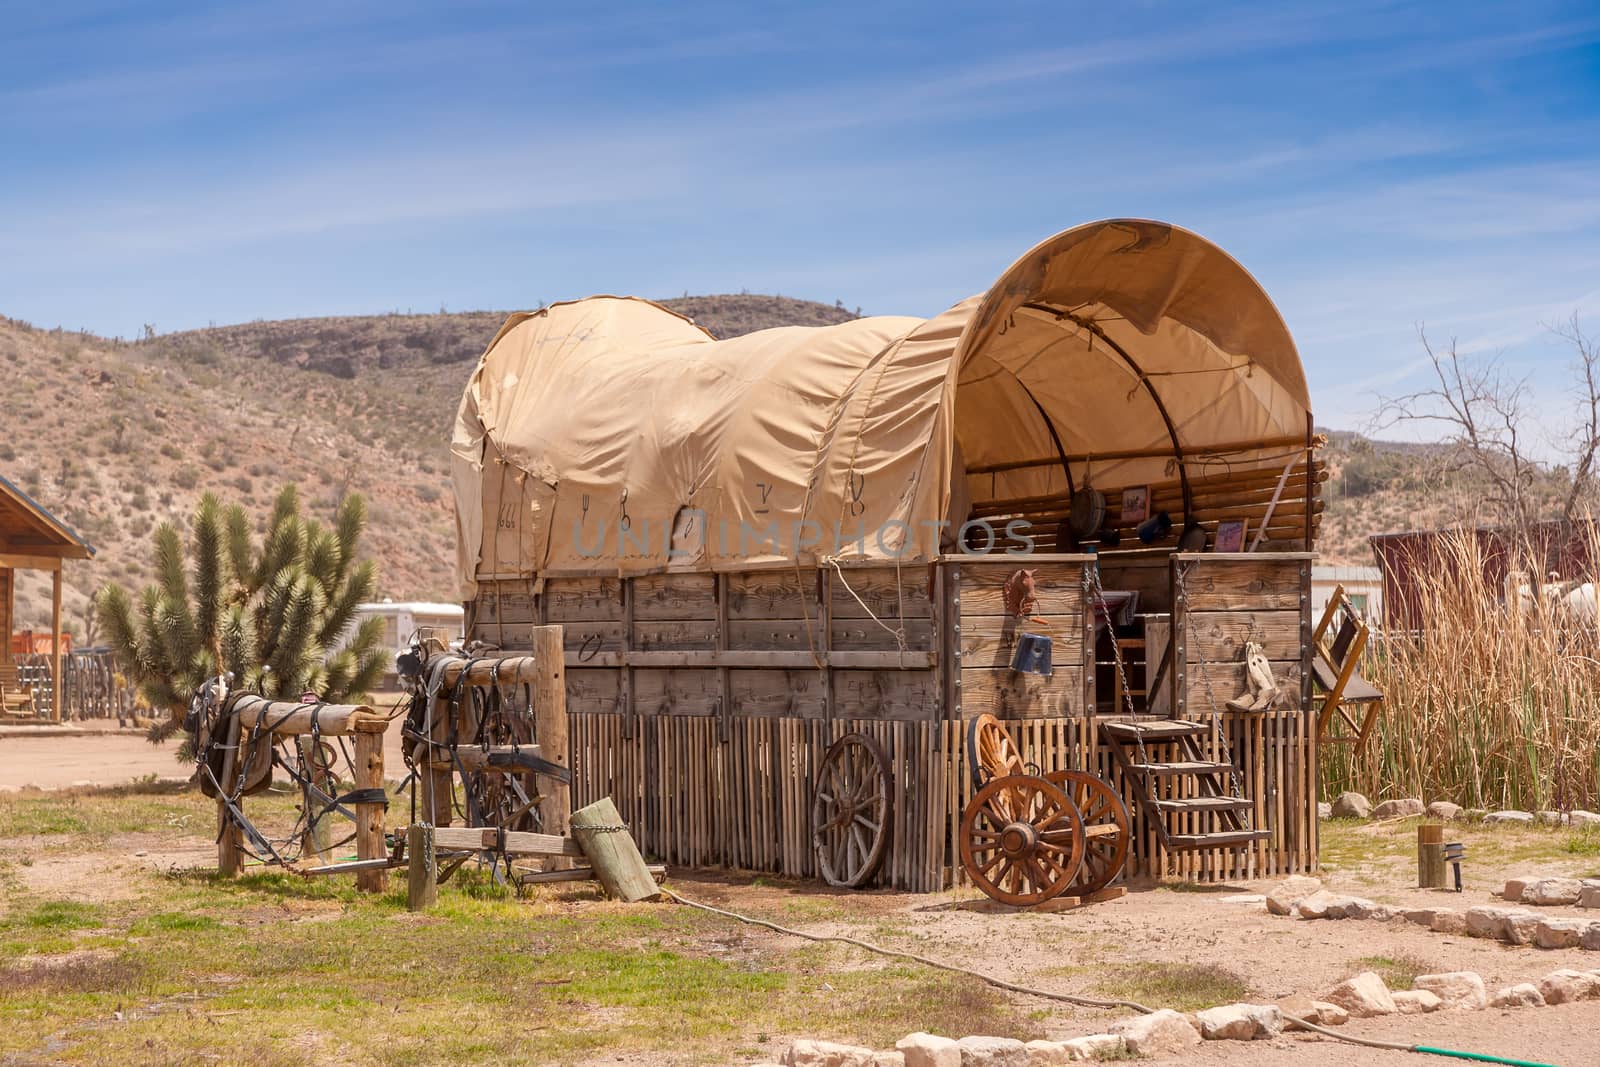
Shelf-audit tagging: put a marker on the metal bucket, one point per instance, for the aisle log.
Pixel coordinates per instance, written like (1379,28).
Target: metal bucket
(1032,655)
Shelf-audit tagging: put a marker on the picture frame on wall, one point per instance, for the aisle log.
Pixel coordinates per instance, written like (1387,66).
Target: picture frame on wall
(1230,536)
(1135,505)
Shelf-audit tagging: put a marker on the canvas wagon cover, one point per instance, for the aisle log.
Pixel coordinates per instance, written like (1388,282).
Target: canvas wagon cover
(610,435)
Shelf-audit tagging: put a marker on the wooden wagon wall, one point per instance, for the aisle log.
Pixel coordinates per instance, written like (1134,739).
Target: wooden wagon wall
(702,704)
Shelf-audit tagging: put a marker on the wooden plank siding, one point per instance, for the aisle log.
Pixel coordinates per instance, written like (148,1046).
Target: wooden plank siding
(710,758)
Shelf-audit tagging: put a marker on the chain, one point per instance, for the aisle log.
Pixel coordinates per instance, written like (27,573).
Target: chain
(1116,656)
(1217,726)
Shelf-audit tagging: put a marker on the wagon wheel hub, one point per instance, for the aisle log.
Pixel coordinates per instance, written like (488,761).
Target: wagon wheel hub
(1018,839)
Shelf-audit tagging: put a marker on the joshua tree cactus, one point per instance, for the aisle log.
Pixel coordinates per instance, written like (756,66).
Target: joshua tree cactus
(270,613)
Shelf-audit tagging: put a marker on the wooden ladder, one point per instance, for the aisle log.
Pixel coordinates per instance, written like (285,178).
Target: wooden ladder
(1215,796)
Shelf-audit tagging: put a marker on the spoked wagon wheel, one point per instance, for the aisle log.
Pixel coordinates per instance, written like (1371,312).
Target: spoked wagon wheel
(1106,828)
(990,751)
(1022,840)
(850,811)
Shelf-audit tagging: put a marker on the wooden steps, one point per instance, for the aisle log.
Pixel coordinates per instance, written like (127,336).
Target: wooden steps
(1182,767)
(1206,804)
(1222,839)
(1197,805)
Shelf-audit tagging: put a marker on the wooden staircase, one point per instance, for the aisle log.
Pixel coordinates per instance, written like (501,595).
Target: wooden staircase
(1214,796)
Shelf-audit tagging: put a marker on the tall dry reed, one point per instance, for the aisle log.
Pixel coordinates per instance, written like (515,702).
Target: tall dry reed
(1494,702)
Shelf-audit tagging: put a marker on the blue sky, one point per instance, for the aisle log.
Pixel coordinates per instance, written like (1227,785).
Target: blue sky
(1376,165)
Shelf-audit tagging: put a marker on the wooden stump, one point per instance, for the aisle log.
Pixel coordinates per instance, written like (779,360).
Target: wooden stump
(605,840)
(229,853)
(369,817)
(422,874)
(1430,857)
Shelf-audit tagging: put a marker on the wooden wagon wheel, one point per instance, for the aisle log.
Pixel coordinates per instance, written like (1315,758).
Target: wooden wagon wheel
(1106,828)
(1022,840)
(851,810)
(990,751)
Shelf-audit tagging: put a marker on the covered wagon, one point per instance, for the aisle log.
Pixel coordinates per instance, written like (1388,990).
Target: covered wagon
(1101,471)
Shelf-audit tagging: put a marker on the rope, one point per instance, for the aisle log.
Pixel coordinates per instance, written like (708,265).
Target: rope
(899,635)
(1075,998)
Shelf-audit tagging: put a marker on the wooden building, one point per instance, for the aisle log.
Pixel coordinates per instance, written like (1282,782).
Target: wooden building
(756,545)
(30,539)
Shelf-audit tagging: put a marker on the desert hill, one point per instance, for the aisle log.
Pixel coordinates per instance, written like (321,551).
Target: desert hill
(115,436)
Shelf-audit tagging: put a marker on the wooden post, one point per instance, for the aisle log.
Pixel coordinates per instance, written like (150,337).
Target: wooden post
(1430,857)
(229,855)
(369,817)
(600,832)
(422,874)
(56,686)
(550,730)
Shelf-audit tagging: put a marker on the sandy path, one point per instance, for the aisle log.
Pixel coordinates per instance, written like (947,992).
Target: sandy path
(113,759)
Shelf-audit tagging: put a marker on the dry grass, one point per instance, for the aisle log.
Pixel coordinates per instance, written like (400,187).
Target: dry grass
(1488,706)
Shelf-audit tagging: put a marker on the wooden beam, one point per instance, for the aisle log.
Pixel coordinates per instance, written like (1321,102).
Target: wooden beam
(517,842)
(1194,452)
(30,562)
(550,726)
(490,670)
(578,874)
(758,658)
(368,760)
(56,688)
(291,717)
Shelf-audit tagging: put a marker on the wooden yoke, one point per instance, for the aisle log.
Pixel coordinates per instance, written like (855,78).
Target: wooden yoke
(285,718)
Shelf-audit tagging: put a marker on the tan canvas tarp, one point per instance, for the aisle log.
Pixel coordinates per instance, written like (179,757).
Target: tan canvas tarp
(610,435)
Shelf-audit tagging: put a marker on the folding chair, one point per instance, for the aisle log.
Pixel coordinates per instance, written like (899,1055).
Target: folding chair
(1335,670)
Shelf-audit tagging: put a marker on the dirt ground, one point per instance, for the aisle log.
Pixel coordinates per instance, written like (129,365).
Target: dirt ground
(1220,929)
(112,758)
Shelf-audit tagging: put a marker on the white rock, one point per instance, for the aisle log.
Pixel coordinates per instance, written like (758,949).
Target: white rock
(992,1052)
(827,1054)
(1521,926)
(1240,1022)
(1521,995)
(1582,820)
(1448,921)
(1317,905)
(1564,986)
(1517,818)
(1486,921)
(1444,810)
(1328,1014)
(888,1059)
(1094,1046)
(1324,809)
(1160,1033)
(1362,908)
(1455,989)
(1550,818)
(1549,892)
(1049,1054)
(1282,898)
(1362,996)
(1590,897)
(1415,1001)
(1559,933)
(929,1050)
(1351,806)
(1514,887)
(1398,809)
(1590,937)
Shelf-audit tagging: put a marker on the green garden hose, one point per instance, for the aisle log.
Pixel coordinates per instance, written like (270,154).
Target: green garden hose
(1091,1002)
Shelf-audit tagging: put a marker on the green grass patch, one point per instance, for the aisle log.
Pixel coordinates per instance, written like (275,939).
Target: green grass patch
(1397,972)
(55,915)
(1180,986)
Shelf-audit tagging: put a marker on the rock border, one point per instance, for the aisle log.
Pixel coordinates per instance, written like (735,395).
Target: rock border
(1165,1032)
(1301,897)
